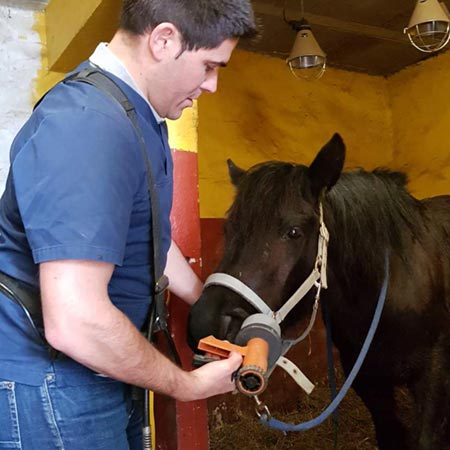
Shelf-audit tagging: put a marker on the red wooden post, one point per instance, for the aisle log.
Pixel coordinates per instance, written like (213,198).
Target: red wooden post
(183,426)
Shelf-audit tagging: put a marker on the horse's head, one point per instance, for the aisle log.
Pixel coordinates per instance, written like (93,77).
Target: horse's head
(271,239)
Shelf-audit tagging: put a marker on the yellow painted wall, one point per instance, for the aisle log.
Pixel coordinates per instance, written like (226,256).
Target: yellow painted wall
(421,125)
(75,27)
(262,112)
(46,78)
(183,132)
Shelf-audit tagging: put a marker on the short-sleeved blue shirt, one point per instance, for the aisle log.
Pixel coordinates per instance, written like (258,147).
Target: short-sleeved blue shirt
(77,189)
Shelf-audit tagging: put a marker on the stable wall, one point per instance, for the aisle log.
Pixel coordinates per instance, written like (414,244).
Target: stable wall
(261,111)
(421,125)
(20,62)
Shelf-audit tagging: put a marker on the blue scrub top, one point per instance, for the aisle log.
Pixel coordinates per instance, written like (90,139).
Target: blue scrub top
(77,189)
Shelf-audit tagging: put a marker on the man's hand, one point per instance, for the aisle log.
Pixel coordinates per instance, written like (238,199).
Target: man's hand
(213,378)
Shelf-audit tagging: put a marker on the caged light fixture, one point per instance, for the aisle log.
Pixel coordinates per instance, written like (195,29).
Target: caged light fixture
(306,60)
(429,26)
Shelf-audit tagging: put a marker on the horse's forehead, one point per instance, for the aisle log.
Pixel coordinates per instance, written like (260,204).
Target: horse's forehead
(276,179)
(261,215)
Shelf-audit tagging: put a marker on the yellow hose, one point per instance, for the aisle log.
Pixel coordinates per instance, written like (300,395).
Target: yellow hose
(152,418)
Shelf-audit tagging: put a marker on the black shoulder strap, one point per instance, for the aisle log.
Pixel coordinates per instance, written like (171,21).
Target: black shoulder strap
(104,83)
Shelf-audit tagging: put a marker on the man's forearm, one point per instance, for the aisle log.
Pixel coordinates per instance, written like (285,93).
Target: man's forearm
(111,345)
(183,281)
(81,322)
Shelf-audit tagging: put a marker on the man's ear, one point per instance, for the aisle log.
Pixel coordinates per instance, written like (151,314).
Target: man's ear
(165,40)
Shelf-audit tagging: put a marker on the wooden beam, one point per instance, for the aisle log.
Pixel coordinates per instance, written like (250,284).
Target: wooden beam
(334,24)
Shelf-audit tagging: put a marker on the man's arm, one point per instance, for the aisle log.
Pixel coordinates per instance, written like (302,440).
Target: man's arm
(183,281)
(81,322)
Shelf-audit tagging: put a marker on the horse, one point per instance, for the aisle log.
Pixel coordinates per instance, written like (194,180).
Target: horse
(270,245)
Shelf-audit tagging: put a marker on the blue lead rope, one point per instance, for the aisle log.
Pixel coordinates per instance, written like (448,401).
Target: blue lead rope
(331,374)
(283,426)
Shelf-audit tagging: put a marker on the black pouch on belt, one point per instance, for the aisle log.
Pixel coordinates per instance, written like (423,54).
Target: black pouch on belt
(29,299)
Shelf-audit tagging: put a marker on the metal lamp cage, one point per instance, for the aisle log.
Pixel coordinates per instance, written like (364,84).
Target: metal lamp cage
(429,27)
(430,36)
(307,60)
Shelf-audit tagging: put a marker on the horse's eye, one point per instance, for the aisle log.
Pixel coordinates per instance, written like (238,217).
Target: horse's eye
(293,233)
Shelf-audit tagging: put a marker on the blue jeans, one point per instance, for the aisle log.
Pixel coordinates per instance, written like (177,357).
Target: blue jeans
(68,413)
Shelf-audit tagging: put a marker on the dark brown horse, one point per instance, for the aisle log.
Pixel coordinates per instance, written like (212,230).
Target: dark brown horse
(270,245)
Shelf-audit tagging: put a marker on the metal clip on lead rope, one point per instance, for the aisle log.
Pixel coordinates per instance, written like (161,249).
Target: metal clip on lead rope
(262,410)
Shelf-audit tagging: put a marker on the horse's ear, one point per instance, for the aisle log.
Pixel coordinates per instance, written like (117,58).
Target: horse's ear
(327,166)
(235,172)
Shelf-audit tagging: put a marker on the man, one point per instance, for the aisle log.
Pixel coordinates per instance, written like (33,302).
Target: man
(75,223)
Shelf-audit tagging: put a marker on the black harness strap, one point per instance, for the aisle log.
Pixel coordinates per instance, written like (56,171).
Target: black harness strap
(157,318)
(105,84)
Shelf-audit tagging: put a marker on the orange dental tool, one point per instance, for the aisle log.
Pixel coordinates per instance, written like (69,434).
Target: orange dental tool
(222,349)
(251,377)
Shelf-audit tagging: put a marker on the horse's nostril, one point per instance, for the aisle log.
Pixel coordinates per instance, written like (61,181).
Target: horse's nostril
(225,323)
(192,341)
(231,323)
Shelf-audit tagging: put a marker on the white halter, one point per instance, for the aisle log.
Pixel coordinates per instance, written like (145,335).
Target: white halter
(317,278)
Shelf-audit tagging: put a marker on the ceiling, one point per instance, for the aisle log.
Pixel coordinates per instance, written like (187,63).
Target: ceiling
(357,35)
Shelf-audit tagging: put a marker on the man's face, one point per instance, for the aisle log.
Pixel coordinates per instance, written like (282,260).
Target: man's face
(187,76)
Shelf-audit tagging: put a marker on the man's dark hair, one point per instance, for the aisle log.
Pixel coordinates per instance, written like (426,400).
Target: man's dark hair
(202,23)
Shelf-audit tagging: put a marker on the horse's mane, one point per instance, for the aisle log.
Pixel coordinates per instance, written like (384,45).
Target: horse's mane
(373,212)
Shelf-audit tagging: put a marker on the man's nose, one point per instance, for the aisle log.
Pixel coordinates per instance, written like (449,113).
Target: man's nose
(210,83)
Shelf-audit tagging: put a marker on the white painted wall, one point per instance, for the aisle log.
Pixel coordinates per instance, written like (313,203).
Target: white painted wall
(20,59)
